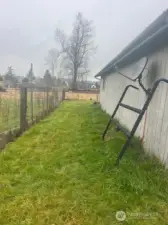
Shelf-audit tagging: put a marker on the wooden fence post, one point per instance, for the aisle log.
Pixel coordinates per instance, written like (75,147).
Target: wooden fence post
(31,102)
(63,94)
(43,102)
(55,98)
(47,101)
(23,108)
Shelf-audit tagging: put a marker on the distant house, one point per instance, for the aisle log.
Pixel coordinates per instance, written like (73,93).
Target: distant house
(7,83)
(93,86)
(151,43)
(12,83)
(81,85)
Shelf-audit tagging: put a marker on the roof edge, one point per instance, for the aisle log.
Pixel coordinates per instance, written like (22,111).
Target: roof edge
(157,25)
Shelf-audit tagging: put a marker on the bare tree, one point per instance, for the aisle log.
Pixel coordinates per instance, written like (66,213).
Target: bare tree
(77,48)
(51,59)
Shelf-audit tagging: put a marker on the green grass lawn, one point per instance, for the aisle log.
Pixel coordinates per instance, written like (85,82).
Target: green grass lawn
(61,172)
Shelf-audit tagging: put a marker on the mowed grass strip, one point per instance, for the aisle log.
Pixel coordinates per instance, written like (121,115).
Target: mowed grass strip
(61,172)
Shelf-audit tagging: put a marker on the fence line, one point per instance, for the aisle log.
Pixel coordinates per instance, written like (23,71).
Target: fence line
(21,108)
(82,95)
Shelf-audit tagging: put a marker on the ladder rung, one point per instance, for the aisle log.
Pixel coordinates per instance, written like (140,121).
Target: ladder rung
(119,127)
(131,108)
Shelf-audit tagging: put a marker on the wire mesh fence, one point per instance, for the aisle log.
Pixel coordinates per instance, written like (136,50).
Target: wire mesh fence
(9,109)
(32,106)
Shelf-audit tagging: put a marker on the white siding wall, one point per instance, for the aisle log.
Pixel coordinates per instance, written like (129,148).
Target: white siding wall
(155,129)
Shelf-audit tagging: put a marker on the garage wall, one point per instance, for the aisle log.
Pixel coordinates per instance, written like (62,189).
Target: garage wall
(154,126)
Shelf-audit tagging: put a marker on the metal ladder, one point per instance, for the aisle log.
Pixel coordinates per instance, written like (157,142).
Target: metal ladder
(119,127)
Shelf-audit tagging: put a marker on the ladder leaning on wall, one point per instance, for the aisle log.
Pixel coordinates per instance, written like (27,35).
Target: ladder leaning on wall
(119,127)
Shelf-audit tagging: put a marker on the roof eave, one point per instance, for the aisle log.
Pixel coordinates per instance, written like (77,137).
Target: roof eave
(147,40)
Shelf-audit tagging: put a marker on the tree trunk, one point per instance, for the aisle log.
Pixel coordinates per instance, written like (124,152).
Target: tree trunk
(74,82)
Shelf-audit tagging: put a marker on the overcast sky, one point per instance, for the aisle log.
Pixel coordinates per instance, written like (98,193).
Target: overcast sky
(27,28)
